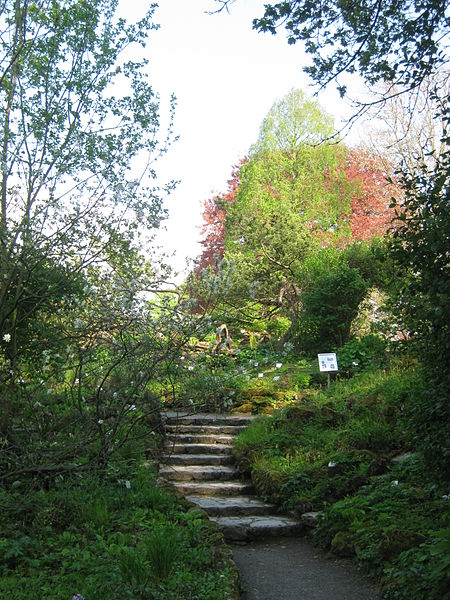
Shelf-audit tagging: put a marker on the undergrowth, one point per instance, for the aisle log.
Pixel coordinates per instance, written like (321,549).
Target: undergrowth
(117,537)
(348,452)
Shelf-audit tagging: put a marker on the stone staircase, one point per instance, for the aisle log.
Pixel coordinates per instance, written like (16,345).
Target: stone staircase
(199,463)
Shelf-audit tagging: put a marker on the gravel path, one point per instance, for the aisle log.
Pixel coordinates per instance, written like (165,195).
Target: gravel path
(292,569)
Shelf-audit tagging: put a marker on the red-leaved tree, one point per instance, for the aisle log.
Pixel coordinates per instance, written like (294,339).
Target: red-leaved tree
(370,213)
(214,215)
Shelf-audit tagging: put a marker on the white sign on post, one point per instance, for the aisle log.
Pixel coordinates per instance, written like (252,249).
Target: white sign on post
(328,362)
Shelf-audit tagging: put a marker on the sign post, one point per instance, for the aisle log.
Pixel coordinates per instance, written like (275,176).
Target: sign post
(328,364)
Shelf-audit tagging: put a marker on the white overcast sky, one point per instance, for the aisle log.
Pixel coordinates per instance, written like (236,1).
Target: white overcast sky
(225,77)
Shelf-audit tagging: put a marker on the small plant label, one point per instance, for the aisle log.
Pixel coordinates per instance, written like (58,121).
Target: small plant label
(328,362)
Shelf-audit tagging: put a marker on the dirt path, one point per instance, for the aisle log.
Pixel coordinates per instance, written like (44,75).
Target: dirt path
(292,569)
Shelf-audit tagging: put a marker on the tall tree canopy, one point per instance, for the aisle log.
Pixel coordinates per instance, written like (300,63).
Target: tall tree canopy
(79,126)
(295,195)
(76,114)
(399,41)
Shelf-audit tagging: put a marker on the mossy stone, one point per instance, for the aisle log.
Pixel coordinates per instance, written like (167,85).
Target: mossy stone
(342,544)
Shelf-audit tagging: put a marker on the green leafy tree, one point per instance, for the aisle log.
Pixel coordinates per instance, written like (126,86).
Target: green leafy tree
(292,198)
(420,251)
(335,282)
(80,314)
(397,41)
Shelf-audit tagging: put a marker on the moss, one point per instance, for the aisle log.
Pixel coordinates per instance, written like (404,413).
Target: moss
(244,408)
(342,544)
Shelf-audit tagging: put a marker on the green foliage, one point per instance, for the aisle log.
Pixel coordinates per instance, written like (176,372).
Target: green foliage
(421,572)
(393,41)
(361,354)
(420,251)
(209,381)
(119,538)
(330,298)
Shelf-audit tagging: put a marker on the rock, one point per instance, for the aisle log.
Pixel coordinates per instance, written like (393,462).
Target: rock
(401,458)
(310,518)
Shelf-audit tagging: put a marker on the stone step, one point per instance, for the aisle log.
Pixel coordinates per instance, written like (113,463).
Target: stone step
(198,473)
(205,429)
(199,448)
(192,438)
(172,418)
(214,488)
(198,459)
(249,528)
(198,455)
(231,506)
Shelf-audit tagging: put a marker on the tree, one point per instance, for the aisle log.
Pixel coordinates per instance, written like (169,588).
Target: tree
(371,214)
(77,118)
(421,253)
(288,197)
(213,228)
(409,130)
(400,41)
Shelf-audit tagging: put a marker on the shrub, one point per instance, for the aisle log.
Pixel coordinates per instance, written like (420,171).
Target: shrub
(359,354)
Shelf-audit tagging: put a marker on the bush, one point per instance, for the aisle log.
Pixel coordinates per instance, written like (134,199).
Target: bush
(332,293)
(359,354)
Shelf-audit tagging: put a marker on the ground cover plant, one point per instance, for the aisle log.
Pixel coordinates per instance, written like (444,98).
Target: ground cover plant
(120,536)
(349,453)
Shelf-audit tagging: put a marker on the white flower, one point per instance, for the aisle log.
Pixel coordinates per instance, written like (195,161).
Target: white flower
(276,378)
(190,368)
(279,365)
(331,464)
(7,337)
(394,483)
(260,375)
(242,330)
(256,363)
(182,358)
(100,421)
(127,484)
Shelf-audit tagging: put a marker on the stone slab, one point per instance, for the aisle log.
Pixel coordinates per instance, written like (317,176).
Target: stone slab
(203,429)
(197,473)
(198,459)
(231,506)
(214,488)
(310,518)
(253,527)
(199,448)
(197,438)
(207,418)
